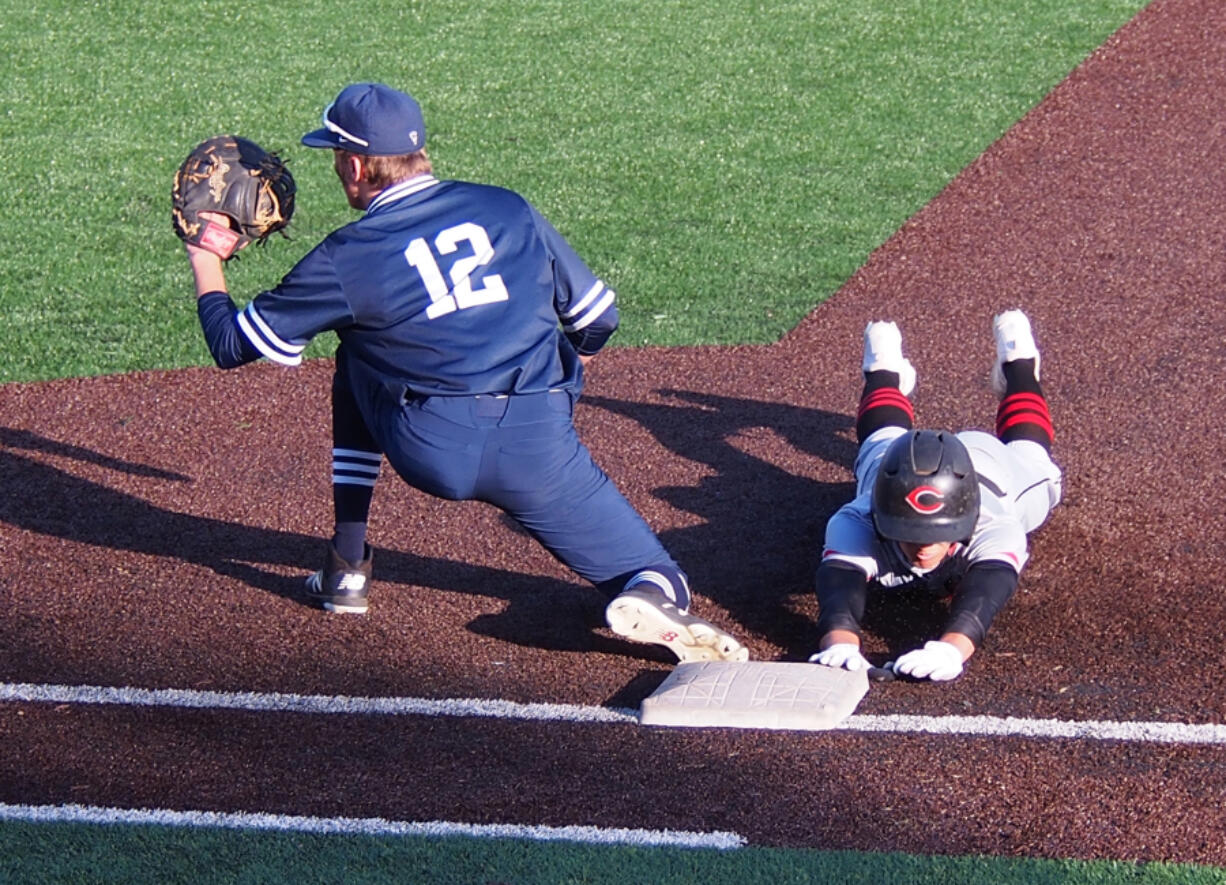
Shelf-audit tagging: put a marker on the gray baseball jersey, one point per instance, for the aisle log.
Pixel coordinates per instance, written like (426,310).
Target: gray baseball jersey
(1019,484)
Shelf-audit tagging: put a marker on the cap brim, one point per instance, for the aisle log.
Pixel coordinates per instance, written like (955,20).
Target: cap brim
(321,138)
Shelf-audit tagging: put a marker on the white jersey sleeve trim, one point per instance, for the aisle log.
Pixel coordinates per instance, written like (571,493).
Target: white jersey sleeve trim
(866,564)
(588,297)
(266,341)
(591,315)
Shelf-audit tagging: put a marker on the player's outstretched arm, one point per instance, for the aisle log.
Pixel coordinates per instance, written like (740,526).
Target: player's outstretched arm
(216,312)
(981,594)
(842,590)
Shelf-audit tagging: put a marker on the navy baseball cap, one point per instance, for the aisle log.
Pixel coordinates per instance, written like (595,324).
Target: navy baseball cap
(371,118)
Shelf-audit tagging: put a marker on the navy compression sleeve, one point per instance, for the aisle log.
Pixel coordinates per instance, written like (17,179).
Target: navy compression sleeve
(218,320)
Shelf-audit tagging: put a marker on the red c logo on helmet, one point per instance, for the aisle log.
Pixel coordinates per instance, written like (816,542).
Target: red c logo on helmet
(926,500)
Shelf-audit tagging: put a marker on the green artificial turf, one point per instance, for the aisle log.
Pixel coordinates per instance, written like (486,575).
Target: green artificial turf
(724,165)
(86,853)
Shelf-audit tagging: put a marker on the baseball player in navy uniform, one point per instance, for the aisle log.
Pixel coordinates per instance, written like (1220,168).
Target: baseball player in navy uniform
(949,513)
(464,321)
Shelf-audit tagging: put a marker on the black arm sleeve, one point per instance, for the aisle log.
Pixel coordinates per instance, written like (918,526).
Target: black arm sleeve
(218,320)
(981,594)
(842,591)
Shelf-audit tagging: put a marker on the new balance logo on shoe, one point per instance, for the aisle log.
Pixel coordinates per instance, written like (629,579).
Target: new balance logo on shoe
(340,586)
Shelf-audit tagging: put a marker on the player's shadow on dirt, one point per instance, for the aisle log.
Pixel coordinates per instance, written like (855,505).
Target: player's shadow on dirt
(25,440)
(762,525)
(755,550)
(45,500)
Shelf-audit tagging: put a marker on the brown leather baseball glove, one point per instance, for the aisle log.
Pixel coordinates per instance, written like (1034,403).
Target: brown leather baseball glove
(239,179)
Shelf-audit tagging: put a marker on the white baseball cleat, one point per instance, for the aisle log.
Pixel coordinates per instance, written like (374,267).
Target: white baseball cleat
(1014,341)
(646,615)
(883,353)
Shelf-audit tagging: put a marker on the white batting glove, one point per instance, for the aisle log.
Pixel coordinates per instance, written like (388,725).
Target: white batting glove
(937,660)
(841,654)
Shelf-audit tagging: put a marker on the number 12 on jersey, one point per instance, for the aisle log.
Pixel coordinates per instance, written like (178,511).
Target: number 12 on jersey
(460,294)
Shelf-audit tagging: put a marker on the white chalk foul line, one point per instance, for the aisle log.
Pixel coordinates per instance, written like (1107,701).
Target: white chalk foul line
(975,726)
(308,703)
(367,826)
(1011,726)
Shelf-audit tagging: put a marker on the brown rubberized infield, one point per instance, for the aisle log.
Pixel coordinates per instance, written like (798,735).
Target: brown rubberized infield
(155,527)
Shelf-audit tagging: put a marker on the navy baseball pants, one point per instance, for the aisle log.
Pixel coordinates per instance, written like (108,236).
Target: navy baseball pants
(521,454)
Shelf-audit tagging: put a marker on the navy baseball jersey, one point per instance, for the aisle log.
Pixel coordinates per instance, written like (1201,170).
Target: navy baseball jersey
(440,288)
(461,312)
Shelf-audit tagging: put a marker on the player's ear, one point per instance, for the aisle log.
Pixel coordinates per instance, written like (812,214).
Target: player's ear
(349,167)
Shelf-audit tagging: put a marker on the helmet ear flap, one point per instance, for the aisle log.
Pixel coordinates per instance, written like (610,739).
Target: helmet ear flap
(926,489)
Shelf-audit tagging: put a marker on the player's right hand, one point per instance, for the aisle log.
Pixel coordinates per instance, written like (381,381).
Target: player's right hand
(841,654)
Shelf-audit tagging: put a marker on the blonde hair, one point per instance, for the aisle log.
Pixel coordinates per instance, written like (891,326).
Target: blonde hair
(384,171)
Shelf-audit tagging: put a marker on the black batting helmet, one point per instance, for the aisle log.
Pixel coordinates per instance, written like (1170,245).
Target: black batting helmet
(926,489)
